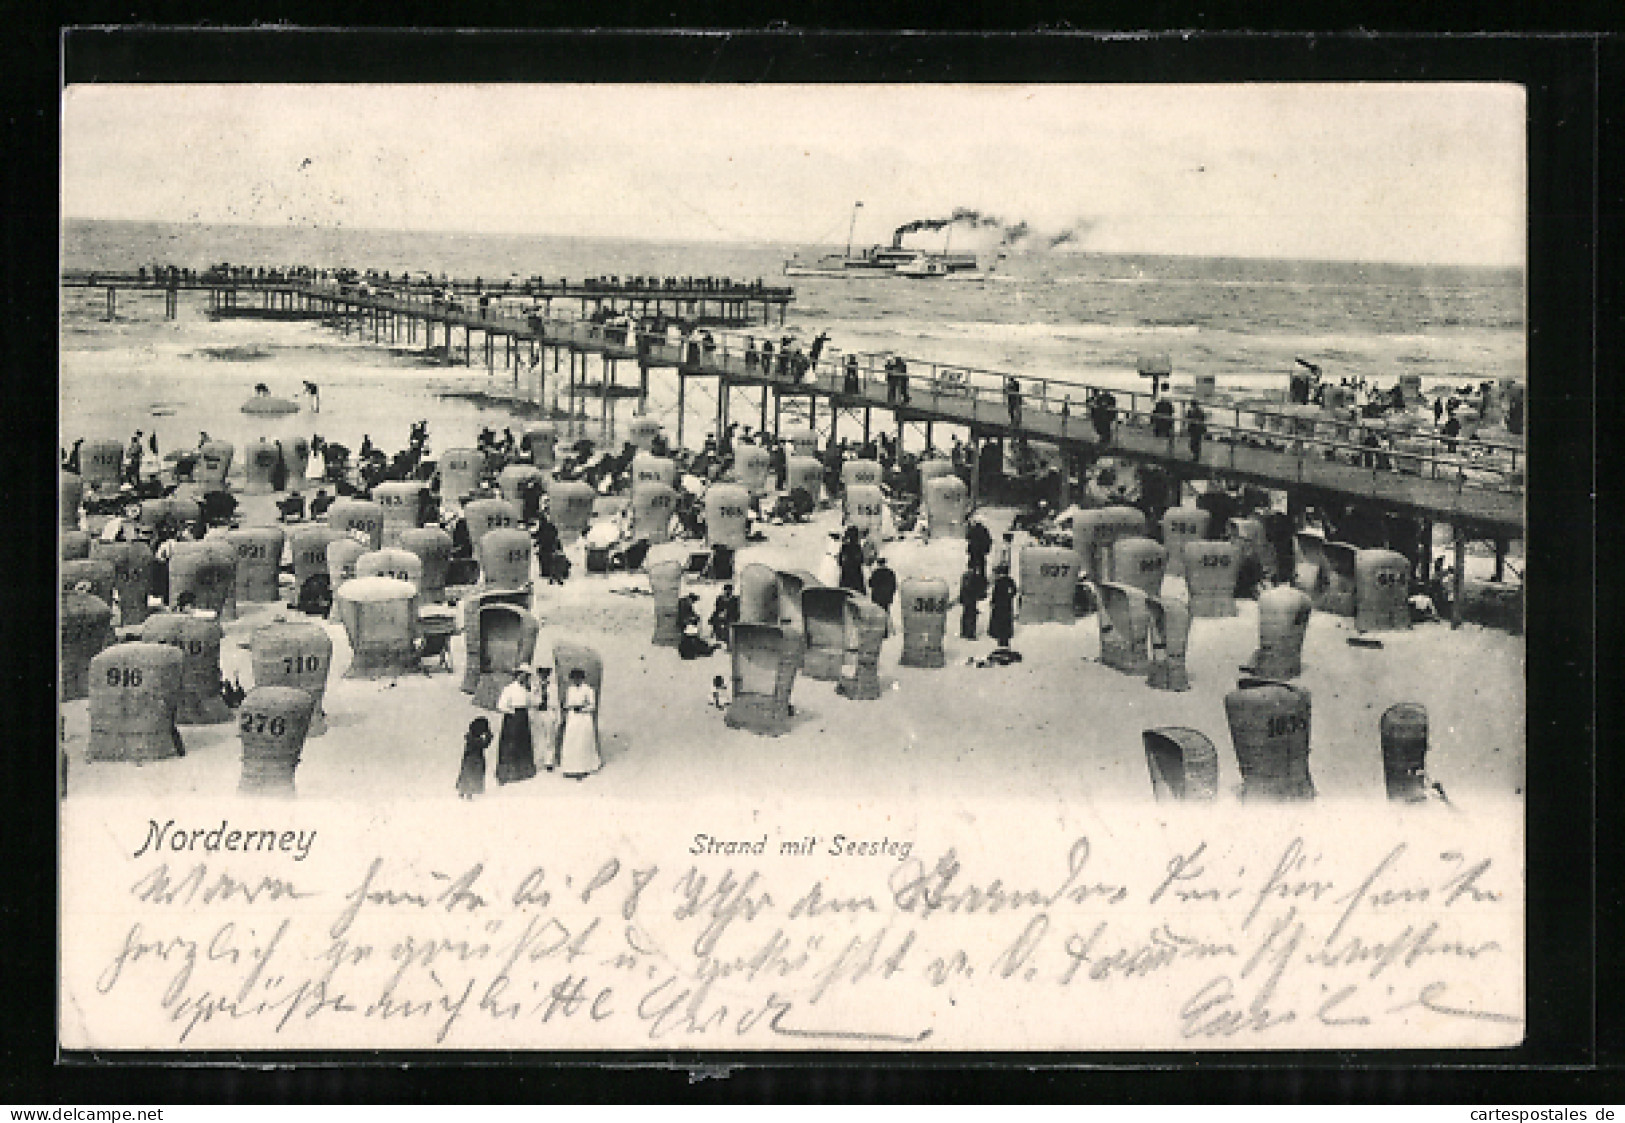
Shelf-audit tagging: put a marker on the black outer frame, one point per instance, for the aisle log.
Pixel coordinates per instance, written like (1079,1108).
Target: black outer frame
(1574,87)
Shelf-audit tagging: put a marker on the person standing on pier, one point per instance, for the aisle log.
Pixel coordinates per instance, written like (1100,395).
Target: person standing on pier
(1195,428)
(1012,400)
(1162,419)
(896,381)
(1103,412)
(850,384)
(315,396)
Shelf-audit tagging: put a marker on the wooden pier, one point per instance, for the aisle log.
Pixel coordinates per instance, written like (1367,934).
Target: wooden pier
(1476,487)
(706,301)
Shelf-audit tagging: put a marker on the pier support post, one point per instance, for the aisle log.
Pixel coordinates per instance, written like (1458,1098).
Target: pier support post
(975,465)
(682,383)
(763,424)
(1459,579)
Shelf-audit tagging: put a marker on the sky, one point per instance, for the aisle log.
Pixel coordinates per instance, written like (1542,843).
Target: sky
(1428,173)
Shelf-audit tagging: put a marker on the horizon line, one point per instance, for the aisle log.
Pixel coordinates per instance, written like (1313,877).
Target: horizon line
(1519,266)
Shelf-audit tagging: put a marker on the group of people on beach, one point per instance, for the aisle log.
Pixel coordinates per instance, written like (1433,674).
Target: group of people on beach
(566,736)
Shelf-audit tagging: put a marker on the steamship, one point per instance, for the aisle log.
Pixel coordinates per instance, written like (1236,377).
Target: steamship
(881,261)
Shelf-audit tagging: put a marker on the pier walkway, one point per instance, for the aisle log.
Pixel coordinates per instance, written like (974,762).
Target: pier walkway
(703,299)
(1476,486)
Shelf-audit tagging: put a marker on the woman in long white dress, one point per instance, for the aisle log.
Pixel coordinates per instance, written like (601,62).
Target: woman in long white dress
(579,754)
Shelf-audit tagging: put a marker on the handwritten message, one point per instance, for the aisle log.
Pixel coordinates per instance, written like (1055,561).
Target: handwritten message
(533,931)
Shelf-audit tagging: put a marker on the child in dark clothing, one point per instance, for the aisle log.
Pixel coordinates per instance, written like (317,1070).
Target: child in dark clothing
(471,777)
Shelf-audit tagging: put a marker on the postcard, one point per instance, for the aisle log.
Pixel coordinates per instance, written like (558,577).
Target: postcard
(866,568)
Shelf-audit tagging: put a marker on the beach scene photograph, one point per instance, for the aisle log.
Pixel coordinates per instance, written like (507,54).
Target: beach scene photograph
(1143,451)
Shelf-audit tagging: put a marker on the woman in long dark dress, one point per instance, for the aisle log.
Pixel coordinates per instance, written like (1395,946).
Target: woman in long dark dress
(471,776)
(851,559)
(1001,620)
(516,757)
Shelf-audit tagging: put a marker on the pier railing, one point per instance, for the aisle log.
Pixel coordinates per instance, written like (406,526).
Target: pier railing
(630,287)
(1259,437)
(1058,408)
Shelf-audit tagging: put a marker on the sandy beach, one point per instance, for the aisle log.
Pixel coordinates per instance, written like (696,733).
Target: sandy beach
(1058,727)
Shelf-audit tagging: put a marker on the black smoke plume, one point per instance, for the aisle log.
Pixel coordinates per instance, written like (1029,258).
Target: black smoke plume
(1074,233)
(1010,233)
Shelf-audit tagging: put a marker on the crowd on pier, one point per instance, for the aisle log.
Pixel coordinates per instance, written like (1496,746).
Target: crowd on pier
(641,284)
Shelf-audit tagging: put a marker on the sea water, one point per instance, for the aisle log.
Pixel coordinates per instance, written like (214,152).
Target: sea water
(1082,316)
